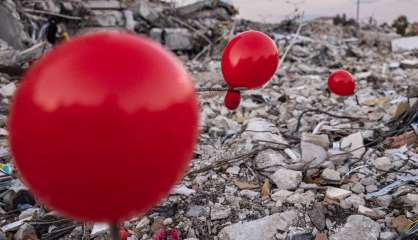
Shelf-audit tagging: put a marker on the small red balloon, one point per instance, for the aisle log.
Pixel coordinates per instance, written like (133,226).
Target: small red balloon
(249,60)
(232,99)
(123,234)
(341,83)
(104,125)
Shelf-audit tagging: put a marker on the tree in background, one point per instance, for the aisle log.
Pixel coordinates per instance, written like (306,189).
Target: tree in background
(401,24)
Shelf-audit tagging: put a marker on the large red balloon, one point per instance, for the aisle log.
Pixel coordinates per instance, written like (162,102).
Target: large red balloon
(249,60)
(104,125)
(341,83)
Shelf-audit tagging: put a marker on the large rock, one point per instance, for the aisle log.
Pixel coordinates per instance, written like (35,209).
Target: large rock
(260,229)
(359,228)
(286,179)
(11,29)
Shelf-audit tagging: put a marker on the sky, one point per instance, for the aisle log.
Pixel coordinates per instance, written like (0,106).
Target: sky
(277,10)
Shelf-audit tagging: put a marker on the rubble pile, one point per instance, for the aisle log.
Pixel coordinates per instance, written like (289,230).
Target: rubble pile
(292,162)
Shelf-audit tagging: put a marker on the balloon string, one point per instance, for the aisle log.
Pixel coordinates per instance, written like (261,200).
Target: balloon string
(220,89)
(114,231)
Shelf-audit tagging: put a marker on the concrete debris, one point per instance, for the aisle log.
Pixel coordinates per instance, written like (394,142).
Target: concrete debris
(219,212)
(405,44)
(331,175)
(353,201)
(264,228)
(383,164)
(337,193)
(358,227)
(286,179)
(354,143)
(312,155)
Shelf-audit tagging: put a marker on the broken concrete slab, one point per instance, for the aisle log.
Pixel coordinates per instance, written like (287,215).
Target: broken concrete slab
(404,44)
(173,38)
(264,228)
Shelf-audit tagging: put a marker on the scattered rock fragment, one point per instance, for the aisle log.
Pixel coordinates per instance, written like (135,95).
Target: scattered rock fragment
(337,193)
(358,227)
(286,179)
(331,175)
(219,212)
(264,228)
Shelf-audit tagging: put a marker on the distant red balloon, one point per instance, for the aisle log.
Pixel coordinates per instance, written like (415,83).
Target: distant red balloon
(104,125)
(232,99)
(249,60)
(123,234)
(341,83)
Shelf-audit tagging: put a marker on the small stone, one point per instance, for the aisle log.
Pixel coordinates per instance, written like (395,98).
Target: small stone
(338,157)
(269,160)
(371,188)
(259,129)
(331,175)
(321,236)
(29,212)
(317,216)
(301,198)
(409,63)
(337,193)
(264,228)
(281,195)
(384,201)
(354,143)
(249,194)
(26,232)
(8,90)
(401,223)
(410,199)
(354,201)
(143,223)
(358,227)
(369,212)
(233,170)
(358,188)
(312,154)
(219,212)
(383,164)
(195,211)
(157,225)
(320,140)
(182,190)
(286,179)
(387,235)
(168,221)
